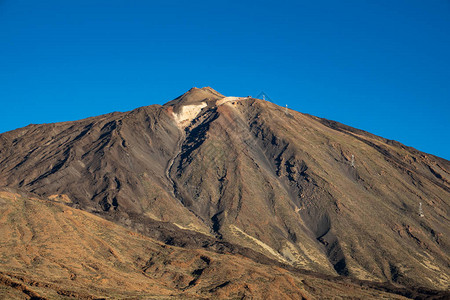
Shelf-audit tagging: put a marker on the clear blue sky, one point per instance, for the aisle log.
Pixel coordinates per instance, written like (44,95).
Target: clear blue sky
(380,65)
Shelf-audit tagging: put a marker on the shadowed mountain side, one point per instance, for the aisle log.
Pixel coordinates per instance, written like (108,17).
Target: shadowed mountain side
(114,162)
(51,251)
(241,173)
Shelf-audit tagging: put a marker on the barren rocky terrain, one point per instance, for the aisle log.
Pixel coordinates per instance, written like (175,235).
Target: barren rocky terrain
(214,196)
(52,251)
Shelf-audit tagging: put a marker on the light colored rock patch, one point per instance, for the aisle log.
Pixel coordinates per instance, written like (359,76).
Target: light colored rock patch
(292,255)
(444,279)
(287,253)
(193,227)
(187,114)
(152,216)
(229,99)
(60,197)
(237,231)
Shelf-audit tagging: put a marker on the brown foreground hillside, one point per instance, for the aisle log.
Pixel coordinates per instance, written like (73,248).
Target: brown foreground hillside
(246,177)
(51,251)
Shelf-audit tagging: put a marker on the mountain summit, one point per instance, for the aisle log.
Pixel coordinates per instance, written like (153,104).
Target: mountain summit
(242,175)
(196,96)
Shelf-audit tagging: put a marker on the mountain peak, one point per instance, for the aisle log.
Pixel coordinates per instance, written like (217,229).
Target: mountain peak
(186,107)
(196,96)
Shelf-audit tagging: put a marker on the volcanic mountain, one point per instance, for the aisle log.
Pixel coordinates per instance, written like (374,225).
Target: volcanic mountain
(243,176)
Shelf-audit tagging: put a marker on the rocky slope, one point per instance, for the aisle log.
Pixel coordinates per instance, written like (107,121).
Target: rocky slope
(247,176)
(51,251)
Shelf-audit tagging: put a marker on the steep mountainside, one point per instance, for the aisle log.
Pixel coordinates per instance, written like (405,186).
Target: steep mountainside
(247,176)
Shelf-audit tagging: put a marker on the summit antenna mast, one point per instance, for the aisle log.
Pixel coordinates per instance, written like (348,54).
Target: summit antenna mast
(264,97)
(420,210)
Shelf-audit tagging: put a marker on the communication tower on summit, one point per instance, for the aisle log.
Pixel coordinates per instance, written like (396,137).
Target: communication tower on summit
(263,96)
